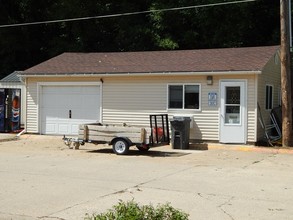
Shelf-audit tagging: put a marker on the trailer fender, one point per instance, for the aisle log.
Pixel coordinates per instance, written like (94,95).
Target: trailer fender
(129,142)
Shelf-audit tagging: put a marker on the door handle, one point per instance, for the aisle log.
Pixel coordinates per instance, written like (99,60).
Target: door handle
(69,113)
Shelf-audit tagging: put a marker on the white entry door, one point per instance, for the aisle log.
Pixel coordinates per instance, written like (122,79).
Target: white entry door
(233,112)
(64,108)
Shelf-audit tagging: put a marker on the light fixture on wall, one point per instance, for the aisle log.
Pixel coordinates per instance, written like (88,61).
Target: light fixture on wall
(209,80)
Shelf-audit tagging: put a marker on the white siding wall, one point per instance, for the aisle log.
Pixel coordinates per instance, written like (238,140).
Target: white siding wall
(131,99)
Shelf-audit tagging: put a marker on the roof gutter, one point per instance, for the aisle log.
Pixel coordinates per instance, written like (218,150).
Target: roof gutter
(23,75)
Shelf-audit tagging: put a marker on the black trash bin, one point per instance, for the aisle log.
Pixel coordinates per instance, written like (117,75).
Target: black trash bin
(180,129)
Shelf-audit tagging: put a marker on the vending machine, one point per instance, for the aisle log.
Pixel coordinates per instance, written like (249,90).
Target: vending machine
(9,110)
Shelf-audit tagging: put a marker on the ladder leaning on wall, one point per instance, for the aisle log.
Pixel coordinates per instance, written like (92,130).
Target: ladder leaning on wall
(272,138)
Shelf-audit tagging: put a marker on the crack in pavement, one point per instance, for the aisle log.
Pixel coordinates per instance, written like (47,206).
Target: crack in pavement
(126,190)
(254,162)
(19,215)
(227,202)
(224,204)
(51,217)
(148,181)
(259,161)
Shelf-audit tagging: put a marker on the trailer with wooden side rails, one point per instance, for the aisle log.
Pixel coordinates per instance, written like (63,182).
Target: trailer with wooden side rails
(123,137)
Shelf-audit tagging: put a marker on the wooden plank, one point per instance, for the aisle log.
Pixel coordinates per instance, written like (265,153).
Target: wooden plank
(109,139)
(100,127)
(114,128)
(85,132)
(103,133)
(142,135)
(100,138)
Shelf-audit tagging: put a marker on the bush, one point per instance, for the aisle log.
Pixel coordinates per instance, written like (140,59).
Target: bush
(132,211)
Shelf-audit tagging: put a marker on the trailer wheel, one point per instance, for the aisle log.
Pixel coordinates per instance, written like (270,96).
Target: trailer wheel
(120,147)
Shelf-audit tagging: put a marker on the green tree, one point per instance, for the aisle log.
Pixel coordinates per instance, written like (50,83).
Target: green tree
(246,24)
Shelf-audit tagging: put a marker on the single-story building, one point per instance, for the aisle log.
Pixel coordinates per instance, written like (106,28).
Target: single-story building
(217,88)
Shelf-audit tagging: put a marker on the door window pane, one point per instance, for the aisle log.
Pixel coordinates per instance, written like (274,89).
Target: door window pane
(233,95)
(233,109)
(232,106)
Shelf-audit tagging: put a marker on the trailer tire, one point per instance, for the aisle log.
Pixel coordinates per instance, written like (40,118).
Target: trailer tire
(120,146)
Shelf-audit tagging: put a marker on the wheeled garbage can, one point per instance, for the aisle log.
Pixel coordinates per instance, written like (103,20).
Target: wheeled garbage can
(180,129)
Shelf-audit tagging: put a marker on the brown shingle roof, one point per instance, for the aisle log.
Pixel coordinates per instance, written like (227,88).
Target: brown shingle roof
(206,60)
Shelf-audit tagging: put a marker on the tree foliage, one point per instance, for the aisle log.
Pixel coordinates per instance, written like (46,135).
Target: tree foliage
(246,24)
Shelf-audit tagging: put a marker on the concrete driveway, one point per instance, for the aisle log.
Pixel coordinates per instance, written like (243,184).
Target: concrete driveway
(42,179)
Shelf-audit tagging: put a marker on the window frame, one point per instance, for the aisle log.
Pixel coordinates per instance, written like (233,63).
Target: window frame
(183,97)
(269,103)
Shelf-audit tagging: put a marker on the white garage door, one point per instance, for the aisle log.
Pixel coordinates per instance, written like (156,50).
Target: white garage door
(64,108)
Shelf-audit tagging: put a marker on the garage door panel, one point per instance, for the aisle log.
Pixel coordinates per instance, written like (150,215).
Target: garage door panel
(91,101)
(92,117)
(77,101)
(85,113)
(49,99)
(54,114)
(74,129)
(63,128)
(49,128)
(91,89)
(57,101)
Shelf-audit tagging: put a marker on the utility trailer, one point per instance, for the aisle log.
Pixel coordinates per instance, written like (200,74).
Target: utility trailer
(123,137)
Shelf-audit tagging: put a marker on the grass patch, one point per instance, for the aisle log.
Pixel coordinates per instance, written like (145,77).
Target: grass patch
(133,211)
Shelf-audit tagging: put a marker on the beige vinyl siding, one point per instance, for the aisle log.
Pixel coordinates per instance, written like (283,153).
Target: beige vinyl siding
(271,76)
(251,109)
(131,99)
(32,107)
(206,126)
(122,95)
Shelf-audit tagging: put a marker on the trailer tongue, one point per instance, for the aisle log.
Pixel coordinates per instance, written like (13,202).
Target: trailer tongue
(123,137)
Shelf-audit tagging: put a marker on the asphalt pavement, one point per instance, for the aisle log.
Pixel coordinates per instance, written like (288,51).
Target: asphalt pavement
(41,178)
(8,137)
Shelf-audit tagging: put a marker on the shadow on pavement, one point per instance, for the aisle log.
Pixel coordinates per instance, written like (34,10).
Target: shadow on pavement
(198,146)
(150,153)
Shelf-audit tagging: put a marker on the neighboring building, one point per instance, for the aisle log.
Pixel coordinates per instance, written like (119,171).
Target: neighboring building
(13,81)
(217,88)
